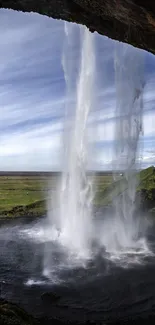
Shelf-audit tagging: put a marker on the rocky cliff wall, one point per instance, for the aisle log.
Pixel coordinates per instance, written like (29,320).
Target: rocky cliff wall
(130,21)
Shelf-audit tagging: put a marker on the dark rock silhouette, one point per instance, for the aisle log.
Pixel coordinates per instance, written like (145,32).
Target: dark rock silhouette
(128,21)
(11,314)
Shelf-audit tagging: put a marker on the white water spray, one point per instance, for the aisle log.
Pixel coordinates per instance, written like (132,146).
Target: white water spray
(74,220)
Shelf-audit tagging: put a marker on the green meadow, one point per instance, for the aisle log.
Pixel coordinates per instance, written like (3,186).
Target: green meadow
(26,195)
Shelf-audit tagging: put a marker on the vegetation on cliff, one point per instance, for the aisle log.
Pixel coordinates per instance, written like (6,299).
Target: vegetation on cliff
(145,192)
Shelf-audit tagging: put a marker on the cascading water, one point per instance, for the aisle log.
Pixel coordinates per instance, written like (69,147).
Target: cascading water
(71,234)
(129,73)
(73,222)
(74,218)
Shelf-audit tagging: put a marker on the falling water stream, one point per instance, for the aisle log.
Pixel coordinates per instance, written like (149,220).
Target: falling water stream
(74,224)
(125,226)
(74,219)
(129,73)
(76,191)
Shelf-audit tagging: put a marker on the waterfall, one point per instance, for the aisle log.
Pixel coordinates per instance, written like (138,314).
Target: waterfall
(75,224)
(123,230)
(129,73)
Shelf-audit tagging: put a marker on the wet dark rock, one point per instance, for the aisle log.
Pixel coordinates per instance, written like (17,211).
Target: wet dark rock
(11,314)
(128,21)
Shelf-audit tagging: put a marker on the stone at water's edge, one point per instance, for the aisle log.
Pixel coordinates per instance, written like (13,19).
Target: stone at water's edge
(11,314)
(128,21)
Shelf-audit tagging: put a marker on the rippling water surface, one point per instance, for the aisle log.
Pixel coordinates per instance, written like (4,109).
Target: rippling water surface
(111,287)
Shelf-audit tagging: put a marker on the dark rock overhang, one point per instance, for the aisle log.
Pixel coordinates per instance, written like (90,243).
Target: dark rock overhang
(130,21)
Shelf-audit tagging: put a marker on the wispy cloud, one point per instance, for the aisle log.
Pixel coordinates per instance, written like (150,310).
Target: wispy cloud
(32,94)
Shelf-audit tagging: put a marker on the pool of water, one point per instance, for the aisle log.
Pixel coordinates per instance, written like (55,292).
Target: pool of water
(108,287)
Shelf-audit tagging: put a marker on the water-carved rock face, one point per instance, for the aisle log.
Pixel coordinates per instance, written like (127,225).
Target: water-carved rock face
(128,21)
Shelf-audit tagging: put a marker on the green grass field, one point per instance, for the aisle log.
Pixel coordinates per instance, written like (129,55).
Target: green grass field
(27,195)
(23,193)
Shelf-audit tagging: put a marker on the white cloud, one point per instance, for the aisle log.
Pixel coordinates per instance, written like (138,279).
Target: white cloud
(32,94)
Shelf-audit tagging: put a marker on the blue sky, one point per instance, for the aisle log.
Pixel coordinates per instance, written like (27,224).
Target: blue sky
(32,94)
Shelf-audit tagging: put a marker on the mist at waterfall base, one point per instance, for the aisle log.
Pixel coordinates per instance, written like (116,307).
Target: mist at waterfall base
(98,263)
